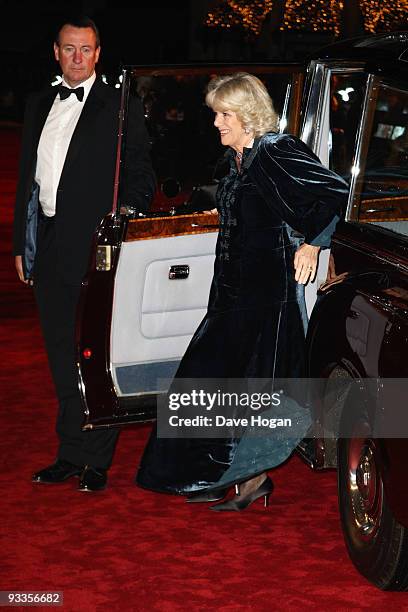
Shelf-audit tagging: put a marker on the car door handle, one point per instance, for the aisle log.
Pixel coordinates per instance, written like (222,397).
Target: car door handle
(179,272)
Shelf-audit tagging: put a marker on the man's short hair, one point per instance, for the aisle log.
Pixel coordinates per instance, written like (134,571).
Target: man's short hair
(81,21)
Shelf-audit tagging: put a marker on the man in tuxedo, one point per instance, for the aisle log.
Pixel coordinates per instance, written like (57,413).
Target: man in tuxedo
(66,184)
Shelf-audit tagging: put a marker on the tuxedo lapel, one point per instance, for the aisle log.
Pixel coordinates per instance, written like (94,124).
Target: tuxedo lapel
(93,105)
(41,114)
(41,108)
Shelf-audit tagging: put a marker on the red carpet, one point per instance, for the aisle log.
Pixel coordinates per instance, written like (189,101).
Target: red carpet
(129,549)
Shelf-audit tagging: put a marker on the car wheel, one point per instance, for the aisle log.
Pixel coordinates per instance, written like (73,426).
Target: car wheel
(376,542)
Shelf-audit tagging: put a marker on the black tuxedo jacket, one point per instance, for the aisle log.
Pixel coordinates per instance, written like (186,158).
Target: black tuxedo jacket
(85,191)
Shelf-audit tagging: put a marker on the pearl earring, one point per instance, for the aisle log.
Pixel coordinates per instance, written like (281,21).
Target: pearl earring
(246,130)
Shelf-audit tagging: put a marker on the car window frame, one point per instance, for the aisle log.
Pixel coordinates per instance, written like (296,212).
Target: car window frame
(316,87)
(355,202)
(292,105)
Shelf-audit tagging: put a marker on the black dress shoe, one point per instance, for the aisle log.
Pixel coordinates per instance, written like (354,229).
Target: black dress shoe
(93,479)
(241,502)
(59,471)
(206,496)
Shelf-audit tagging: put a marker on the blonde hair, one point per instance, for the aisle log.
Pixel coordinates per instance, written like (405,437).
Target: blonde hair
(247,96)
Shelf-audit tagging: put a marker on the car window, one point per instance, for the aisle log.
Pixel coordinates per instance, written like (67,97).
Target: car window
(186,150)
(384,177)
(346,101)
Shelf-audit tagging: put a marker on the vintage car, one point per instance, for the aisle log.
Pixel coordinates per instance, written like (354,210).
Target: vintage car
(148,281)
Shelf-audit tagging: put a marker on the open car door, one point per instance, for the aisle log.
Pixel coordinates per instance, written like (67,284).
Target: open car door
(149,276)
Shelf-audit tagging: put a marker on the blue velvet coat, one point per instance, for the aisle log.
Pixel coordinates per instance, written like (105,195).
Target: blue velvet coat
(253,327)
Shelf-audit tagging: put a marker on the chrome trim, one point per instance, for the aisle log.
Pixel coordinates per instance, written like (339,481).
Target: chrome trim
(124,96)
(316,85)
(404,56)
(81,388)
(283,119)
(352,209)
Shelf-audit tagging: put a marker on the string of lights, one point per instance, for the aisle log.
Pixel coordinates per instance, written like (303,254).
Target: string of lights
(315,15)
(233,13)
(311,15)
(381,15)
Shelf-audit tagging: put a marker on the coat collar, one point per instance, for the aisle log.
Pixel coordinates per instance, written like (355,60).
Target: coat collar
(247,157)
(249,154)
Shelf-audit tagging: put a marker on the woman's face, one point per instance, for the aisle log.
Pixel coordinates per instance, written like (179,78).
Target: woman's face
(231,130)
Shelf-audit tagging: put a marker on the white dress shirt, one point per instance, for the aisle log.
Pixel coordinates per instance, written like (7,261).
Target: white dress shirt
(54,142)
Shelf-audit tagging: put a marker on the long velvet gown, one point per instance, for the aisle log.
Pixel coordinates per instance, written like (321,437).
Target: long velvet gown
(254,326)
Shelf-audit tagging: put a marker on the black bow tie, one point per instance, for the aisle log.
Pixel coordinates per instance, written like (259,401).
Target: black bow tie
(65,92)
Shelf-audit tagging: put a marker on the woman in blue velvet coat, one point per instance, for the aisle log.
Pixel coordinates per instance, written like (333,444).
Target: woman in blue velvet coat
(278,206)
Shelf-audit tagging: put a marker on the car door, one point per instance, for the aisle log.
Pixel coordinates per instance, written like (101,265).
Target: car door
(331,127)
(149,276)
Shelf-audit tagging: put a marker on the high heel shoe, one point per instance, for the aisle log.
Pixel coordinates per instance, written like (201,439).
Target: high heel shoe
(264,490)
(206,496)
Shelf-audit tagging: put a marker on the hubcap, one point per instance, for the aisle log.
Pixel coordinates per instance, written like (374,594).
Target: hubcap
(365,486)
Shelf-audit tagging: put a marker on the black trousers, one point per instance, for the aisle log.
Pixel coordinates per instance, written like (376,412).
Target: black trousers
(57,303)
